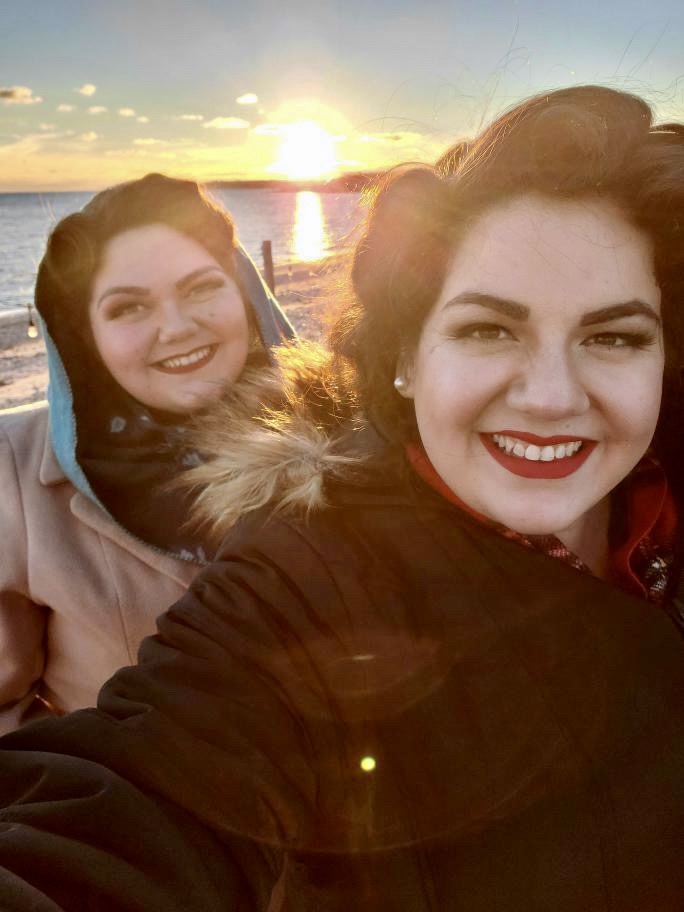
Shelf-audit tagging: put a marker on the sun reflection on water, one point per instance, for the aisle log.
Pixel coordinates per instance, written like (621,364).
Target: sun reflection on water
(310,239)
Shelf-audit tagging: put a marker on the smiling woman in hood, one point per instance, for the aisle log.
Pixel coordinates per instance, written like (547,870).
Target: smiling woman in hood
(150,310)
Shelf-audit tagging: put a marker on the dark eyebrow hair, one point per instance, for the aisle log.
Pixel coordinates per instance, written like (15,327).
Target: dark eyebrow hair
(191,276)
(504,306)
(144,292)
(615,311)
(517,311)
(123,289)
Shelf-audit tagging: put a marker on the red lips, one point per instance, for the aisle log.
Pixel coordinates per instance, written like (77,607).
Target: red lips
(527,468)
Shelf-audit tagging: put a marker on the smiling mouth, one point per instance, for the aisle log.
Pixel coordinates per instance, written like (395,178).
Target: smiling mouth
(549,452)
(180,364)
(529,456)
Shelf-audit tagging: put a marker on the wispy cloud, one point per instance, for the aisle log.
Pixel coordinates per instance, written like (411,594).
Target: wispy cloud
(96,109)
(87,89)
(127,112)
(190,117)
(19,95)
(145,141)
(269,129)
(90,136)
(65,108)
(227,123)
(143,119)
(248,98)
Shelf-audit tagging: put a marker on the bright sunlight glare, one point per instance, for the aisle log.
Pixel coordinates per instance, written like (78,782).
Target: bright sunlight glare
(307,151)
(309,240)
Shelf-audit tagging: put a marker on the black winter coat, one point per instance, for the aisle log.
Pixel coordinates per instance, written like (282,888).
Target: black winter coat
(385,707)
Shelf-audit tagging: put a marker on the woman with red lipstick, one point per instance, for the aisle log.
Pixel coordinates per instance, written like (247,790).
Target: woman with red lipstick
(150,310)
(439,669)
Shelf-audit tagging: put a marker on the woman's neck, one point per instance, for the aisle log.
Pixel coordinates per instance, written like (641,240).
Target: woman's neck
(588,539)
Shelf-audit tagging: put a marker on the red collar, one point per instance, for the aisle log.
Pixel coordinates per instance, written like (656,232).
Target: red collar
(643,555)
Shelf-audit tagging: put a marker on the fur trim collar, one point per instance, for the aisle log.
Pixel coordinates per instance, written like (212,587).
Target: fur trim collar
(275,440)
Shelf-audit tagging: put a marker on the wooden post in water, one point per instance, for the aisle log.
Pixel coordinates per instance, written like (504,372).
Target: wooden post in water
(267,254)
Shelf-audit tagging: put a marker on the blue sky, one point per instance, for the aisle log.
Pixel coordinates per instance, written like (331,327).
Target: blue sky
(125,87)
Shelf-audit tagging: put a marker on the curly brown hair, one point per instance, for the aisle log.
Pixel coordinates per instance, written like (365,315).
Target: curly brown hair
(581,141)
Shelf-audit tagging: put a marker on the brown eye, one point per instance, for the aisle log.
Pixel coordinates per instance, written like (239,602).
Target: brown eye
(125,309)
(206,288)
(616,340)
(483,332)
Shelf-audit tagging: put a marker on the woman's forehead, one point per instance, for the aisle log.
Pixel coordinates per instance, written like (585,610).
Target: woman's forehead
(537,251)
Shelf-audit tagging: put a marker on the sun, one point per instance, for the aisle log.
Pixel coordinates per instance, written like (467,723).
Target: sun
(306,151)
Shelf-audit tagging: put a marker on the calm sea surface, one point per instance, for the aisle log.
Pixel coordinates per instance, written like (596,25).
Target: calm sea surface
(301,226)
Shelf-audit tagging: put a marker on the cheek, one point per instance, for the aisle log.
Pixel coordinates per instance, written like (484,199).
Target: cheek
(635,403)
(451,391)
(120,348)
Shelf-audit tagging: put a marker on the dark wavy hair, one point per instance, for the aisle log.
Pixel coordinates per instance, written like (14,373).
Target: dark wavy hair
(575,142)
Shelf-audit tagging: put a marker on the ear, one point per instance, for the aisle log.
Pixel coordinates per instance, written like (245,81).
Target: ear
(404,373)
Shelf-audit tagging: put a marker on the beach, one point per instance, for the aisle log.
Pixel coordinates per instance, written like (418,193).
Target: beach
(307,292)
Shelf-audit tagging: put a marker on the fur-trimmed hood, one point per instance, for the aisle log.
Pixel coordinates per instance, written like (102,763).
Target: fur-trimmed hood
(277,438)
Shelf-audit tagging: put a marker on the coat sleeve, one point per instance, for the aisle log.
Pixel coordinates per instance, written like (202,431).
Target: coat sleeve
(22,621)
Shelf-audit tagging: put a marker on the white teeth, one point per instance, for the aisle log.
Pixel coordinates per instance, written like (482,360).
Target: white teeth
(533,452)
(185,360)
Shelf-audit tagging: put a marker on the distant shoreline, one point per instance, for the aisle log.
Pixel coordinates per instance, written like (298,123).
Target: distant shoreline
(350,182)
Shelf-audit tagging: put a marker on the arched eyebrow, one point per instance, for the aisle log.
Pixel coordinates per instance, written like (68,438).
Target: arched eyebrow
(195,274)
(517,311)
(504,306)
(616,311)
(123,289)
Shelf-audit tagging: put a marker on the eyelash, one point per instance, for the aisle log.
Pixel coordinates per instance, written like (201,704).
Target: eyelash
(125,308)
(637,340)
(634,339)
(206,287)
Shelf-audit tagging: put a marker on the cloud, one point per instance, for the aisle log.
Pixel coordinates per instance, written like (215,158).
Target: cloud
(65,108)
(46,126)
(148,142)
(96,109)
(127,112)
(143,119)
(190,117)
(87,89)
(227,123)
(19,95)
(88,137)
(247,99)
(269,129)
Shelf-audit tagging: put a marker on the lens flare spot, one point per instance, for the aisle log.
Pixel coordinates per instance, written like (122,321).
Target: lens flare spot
(368,764)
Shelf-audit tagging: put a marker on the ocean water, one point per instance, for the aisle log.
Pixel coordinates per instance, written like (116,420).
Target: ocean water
(300,225)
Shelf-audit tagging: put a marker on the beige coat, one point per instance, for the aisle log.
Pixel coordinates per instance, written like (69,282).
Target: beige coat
(77,592)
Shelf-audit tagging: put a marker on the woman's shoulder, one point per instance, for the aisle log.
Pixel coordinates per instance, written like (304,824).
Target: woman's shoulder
(23,432)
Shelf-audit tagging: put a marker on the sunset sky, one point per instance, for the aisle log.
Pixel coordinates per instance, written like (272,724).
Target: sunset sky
(105,90)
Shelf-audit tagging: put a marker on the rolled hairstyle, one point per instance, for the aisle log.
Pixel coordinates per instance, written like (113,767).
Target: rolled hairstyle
(585,141)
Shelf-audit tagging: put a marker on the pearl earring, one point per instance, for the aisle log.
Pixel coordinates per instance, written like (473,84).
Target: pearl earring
(400,383)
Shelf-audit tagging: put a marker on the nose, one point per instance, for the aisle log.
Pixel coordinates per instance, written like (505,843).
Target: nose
(175,324)
(549,386)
